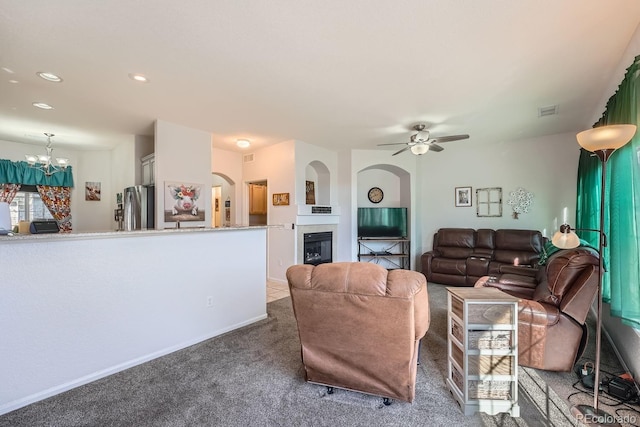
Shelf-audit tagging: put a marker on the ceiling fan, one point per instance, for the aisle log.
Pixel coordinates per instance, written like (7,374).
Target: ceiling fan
(422,142)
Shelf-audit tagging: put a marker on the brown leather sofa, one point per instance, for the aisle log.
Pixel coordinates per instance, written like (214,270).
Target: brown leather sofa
(553,308)
(460,256)
(360,326)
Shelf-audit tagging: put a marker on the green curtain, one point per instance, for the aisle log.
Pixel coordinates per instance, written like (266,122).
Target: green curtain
(621,281)
(22,173)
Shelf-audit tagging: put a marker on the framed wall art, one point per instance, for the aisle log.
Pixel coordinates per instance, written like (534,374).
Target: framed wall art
(280,199)
(92,191)
(463,196)
(182,202)
(310,193)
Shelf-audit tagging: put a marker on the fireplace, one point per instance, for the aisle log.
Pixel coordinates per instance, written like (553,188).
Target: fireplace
(318,247)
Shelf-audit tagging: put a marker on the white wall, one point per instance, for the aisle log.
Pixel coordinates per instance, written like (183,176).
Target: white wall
(94,166)
(182,155)
(545,166)
(276,165)
(117,301)
(228,164)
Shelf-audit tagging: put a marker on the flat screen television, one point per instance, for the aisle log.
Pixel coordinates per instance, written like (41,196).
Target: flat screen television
(382,222)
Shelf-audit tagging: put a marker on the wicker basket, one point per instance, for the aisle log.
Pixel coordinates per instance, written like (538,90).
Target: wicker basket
(489,340)
(490,365)
(457,331)
(490,313)
(496,390)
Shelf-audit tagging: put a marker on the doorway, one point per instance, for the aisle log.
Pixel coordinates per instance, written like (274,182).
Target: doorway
(258,203)
(216,208)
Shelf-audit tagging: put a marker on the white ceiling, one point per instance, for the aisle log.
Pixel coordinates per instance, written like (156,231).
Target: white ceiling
(335,73)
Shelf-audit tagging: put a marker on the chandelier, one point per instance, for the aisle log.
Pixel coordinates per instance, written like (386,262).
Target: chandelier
(44,162)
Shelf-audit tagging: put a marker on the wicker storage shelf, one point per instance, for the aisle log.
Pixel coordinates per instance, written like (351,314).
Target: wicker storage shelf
(483,350)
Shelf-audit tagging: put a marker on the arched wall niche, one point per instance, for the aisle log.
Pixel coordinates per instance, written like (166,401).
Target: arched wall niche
(318,173)
(227,193)
(394,181)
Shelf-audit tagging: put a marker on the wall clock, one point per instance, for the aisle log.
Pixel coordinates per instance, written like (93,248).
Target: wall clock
(375,195)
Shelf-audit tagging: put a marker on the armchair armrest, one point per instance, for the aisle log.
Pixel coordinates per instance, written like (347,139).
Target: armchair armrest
(426,259)
(521,270)
(512,284)
(535,313)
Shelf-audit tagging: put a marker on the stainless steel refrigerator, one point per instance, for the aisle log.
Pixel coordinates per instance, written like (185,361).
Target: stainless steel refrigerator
(139,207)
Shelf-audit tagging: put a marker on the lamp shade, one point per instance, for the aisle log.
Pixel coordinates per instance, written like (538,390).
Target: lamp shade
(606,137)
(419,149)
(565,240)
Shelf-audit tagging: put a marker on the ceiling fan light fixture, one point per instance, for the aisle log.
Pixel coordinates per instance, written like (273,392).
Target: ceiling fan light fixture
(419,149)
(421,136)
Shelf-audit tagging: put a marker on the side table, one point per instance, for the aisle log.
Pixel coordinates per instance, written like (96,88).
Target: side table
(482,349)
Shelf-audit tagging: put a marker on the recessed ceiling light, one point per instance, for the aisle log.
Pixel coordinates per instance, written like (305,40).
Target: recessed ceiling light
(139,78)
(8,70)
(13,81)
(50,77)
(243,143)
(43,105)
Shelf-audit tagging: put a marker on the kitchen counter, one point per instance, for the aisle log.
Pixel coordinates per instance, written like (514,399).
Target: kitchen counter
(80,306)
(17,237)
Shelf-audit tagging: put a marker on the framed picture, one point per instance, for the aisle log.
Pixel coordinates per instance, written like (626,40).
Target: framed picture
(463,196)
(310,193)
(182,202)
(92,191)
(280,199)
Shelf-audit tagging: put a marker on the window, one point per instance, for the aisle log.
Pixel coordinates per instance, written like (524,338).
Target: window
(27,206)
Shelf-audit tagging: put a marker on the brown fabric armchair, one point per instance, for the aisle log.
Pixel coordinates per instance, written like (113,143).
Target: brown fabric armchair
(553,308)
(360,326)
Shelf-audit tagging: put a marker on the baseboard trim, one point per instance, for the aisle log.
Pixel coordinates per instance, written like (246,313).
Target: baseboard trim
(27,400)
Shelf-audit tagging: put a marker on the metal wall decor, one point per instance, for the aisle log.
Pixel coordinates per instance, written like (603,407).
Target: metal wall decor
(489,201)
(520,200)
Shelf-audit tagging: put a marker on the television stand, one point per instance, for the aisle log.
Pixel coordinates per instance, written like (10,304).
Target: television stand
(389,252)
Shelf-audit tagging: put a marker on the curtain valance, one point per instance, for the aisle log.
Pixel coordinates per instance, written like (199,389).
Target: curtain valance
(22,173)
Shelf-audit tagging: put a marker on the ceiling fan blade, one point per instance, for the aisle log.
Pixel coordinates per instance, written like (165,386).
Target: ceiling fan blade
(435,147)
(450,138)
(404,149)
(393,143)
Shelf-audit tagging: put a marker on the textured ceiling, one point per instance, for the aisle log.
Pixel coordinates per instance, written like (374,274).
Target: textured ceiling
(334,73)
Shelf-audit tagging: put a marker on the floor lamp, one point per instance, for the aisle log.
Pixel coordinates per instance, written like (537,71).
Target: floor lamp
(602,141)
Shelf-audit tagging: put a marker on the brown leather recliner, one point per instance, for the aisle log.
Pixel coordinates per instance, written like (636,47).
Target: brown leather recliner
(360,326)
(553,307)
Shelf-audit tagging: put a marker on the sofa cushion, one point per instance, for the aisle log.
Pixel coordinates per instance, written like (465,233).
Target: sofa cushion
(485,239)
(449,266)
(526,245)
(456,237)
(455,243)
